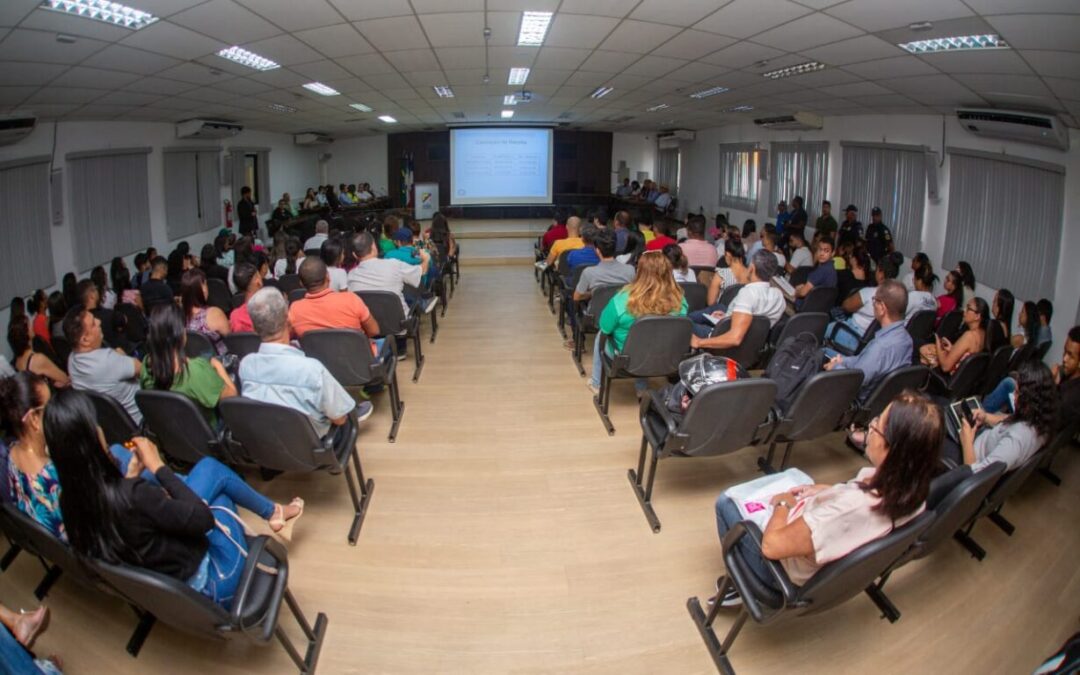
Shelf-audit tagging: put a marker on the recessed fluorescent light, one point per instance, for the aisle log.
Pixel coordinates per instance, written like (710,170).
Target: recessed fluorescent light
(534,26)
(507,114)
(320,88)
(949,44)
(444,92)
(279,108)
(738,108)
(104,11)
(518,76)
(360,106)
(509,99)
(662,106)
(706,93)
(601,92)
(802,68)
(246,58)
(387,119)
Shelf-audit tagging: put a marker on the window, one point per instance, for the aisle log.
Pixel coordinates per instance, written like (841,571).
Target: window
(739,177)
(110,204)
(892,177)
(251,167)
(251,174)
(26,259)
(667,169)
(799,169)
(1005,218)
(192,191)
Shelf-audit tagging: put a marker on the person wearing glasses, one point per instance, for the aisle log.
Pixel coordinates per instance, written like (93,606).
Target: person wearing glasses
(813,525)
(861,311)
(890,347)
(946,355)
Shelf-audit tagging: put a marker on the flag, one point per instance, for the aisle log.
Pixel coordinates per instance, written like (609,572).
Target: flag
(406,179)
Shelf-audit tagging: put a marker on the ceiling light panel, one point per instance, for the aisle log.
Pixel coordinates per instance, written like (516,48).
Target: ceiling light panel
(320,88)
(246,58)
(279,108)
(507,114)
(444,92)
(951,44)
(387,119)
(534,27)
(518,76)
(655,108)
(801,69)
(601,92)
(102,10)
(738,108)
(509,99)
(706,93)
(361,107)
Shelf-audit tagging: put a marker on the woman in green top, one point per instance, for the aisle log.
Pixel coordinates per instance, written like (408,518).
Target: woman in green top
(166,367)
(386,242)
(653,292)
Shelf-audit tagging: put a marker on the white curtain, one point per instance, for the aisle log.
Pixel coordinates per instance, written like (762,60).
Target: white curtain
(210,204)
(110,204)
(1006,219)
(892,177)
(799,169)
(181,194)
(26,261)
(739,177)
(667,169)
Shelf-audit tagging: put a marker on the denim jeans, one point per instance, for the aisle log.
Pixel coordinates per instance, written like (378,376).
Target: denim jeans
(702,327)
(727,515)
(641,384)
(998,399)
(16,659)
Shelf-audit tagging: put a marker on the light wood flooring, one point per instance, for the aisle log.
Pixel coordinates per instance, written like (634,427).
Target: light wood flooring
(503,537)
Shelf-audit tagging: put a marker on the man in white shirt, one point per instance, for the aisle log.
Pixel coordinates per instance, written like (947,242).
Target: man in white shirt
(365,193)
(860,308)
(800,253)
(322,233)
(373,273)
(757,298)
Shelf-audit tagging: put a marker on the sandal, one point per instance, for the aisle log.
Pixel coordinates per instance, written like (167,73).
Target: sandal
(30,625)
(282,527)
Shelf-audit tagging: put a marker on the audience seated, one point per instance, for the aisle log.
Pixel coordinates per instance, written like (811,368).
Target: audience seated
(605,273)
(662,200)
(373,273)
(621,223)
(918,261)
(921,299)
(861,309)
(822,276)
(660,238)
(26,359)
(680,268)
(332,253)
(439,234)
(311,200)
(209,265)
(1002,311)
(97,368)
(734,271)
(322,233)
(249,281)
(624,190)
(571,242)
(107,297)
(586,255)
(943,354)
(857,274)
(1066,376)
(699,253)
(800,253)
(967,279)
(556,231)
(199,315)
(952,298)
(812,526)
(1045,309)
(891,346)
(31,476)
(155,291)
(111,324)
(121,281)
(404,250)
(294,255)
(757,298)
(322,307)
(769,241)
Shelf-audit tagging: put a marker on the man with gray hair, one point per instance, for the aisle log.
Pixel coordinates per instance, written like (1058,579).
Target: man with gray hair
(322,233)
(757,298)
(281,374)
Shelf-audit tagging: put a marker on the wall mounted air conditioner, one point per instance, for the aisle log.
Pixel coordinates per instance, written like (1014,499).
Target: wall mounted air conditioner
(800,121)
(1015,125)
(200,128)
(671,139)
(14,128)
(312,138)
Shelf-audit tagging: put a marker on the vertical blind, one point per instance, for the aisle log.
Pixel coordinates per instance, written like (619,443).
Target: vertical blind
(110,204)
(738,176)
(26,260)
(799,169)
(1005,218)
(192,191)
(892,177)
(667,169)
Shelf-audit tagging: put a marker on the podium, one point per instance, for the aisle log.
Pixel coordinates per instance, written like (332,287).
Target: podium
(425,200)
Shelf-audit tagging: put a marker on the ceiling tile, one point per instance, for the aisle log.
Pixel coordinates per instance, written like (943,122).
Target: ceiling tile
(1054,64)
(14,11)
(159,85)
(464,76)
(284,49)
(129,98)
(986,7)
(685,13)
(615,8)
(460,29)
(698,72)
(350,86)
(59,22)
(65,95)
(932,89)
(855,89)
(14,95)
(358,10)
(191,72)
(548,76)
(743,18)
(585,78)
(227,21)
(32,45)
(511,57)
(95,78)
(428,78)
(822,78)
(855,50)
(34,74)
(742,54)
(334,41)
(504,29)
(657,66)
(440,6)
(48,111)
(119,57)
(280,77)
(1005,84)
(561,57)
(639,37)
(693,44)
(874,15)
(1039,31)
(365,64)
(172,40)
(1003,61)
(401,32)
(900,66)
(578,30)
(292,15)
(609,62)
(523,5)
(321,71)
(383,80)
(460,57)
(810,31)
(413,59)
(243,85)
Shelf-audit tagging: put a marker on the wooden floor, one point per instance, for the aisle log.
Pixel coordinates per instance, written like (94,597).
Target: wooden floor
(503,537)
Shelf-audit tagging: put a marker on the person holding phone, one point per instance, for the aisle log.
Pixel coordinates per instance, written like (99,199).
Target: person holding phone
(942,353)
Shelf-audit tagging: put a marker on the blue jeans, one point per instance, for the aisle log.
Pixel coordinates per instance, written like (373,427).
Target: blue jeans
(702,327)
(998,399)
(16,659)
(641,384)
(727,515)
(844,338)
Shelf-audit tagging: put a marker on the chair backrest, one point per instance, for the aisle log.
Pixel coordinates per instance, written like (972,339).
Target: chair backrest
(997,368)
(560,263)
(921,326)
(575,276)
(238,299)
(312,251)
(30,535)
(135,322)
(275,437)
(113,419)
(241,344)
(968,376)
(656,345)
(821,402)
(820,299)
(951,324)
(345,353)
(288,282)
(696,295)
(1009,483)
(726,416)
(601,296)
(955,508)
(177,423)
(386,308)
(1042,350)
(218,295)
(728,294)
(198,345)
(995,336)
(704,274)
(814,323)
(62,349)
(297,294)
(746,353)
(1019,356)
(908,377)
(845,578)
(799,275)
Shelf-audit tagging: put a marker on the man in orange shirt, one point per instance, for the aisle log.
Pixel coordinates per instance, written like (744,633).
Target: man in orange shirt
(325,308)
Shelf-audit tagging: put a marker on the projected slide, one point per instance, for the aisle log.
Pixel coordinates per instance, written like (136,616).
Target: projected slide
(500,166)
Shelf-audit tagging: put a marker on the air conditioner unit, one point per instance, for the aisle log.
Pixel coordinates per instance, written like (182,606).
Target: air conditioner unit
(683,134)
(312,138)
(200,128)
(671,139)
(1014,125)
(14,128)
(800,121)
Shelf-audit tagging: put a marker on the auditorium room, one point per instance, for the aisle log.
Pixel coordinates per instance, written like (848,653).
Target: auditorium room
(539,336)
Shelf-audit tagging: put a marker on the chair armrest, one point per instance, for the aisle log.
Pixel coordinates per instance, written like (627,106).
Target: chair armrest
(261,544)
(788,590)
(655,401)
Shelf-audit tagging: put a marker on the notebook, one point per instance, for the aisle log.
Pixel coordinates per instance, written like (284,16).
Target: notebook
(753,497)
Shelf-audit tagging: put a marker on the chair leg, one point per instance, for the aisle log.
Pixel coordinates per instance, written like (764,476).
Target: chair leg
(397,406)
(142,631)
(1049,475)
(765,463)
(314,636)
(718,652)
(46,583)
(9,557)
(787,455)
(1000,520)
(434,325)
(965,540)
(360,492)
(419,356)
(579,347)
(645,495)
(601,402)
(878,597)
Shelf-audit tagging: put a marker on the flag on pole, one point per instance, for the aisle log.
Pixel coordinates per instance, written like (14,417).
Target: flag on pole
(407,179)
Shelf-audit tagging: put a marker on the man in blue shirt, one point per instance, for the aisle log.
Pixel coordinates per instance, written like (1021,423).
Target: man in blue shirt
(782,217)
(586,255)
(822,276)
(890,349)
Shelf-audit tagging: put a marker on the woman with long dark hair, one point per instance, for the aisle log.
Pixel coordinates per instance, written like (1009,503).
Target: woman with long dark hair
(121,283)
(944,354)
(26,359)
(39,305)
(1029,325)
(57,310)
(1001,326)
(101,281)
(68,288)
(146,515)
(953,297)
(967,278)
(208,263)
(166,367)
(31,477)
(290,263)
(199,315)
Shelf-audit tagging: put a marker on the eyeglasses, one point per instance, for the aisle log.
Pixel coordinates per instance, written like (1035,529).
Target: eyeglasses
(875,427)
(971,309)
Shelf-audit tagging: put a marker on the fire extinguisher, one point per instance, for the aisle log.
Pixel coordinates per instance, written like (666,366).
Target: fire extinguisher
(228,214)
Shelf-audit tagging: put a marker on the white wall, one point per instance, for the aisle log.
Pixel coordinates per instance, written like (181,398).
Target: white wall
(701,185)
(292,169)
(359,160)
(637,150)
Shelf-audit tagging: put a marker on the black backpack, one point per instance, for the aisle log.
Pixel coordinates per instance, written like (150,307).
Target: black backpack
(796,360)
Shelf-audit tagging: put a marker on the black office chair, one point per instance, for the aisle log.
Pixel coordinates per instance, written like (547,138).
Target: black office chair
(253,614)
(179,427)
(26,534)
(238,299)
(908,377)
(288,283)
(389,314)
(964,382)
(995,336)
(833,584)
(555,273)
(728,294)
(134,322)
(997,368)
(818,408)
(721,419)
(746,353)
(991,507)
(297,294)
(62,349)
(820,299)
(1061,440)
(113,419)
(278,438)
(218,295)
(588,320)
(1042,350)
(921,329)
(347,355)
(654,347)
(696,295)
(951,325)
(704,274)
(566,292)
(799,275)
(241,344)
(814,323)
(198,345)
